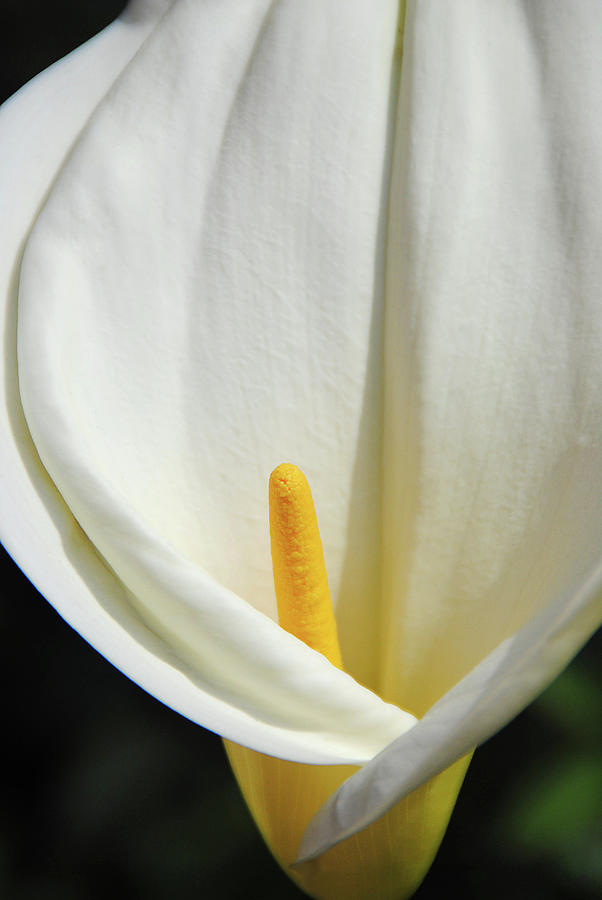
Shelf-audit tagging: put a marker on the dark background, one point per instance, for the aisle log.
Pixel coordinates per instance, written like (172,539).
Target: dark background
(106,791)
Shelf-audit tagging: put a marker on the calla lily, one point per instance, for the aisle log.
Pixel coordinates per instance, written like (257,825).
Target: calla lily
(360,236)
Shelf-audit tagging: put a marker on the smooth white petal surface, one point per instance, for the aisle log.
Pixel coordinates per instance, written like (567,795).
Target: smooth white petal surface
(38,127)
(494,331)
(202,298)
(493,427)
(195,306)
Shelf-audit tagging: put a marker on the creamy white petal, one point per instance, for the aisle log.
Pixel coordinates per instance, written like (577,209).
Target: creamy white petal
(38,127)
(196,305)
(493,506)
(493,422)
(494,331)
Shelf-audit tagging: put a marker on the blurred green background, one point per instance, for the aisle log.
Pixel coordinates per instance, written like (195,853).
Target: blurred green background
(108,792)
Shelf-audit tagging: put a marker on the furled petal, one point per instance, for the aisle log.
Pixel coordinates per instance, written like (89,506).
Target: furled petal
(37,130)
(201,298)
(493,507)
(195,305)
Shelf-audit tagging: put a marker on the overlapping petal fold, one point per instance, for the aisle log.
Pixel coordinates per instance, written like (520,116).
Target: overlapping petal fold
(202,237)
(38,128)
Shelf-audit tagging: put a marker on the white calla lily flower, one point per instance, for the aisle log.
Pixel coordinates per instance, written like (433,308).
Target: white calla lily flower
(358,236)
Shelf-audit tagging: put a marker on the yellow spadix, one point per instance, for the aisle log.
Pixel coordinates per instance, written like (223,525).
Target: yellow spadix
(300,580)
(387,860)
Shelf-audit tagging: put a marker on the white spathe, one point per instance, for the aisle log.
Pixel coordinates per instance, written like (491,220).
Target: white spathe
(239,675)
(206,292)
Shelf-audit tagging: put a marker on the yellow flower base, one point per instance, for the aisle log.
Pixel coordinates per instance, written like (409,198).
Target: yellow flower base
(386,861)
